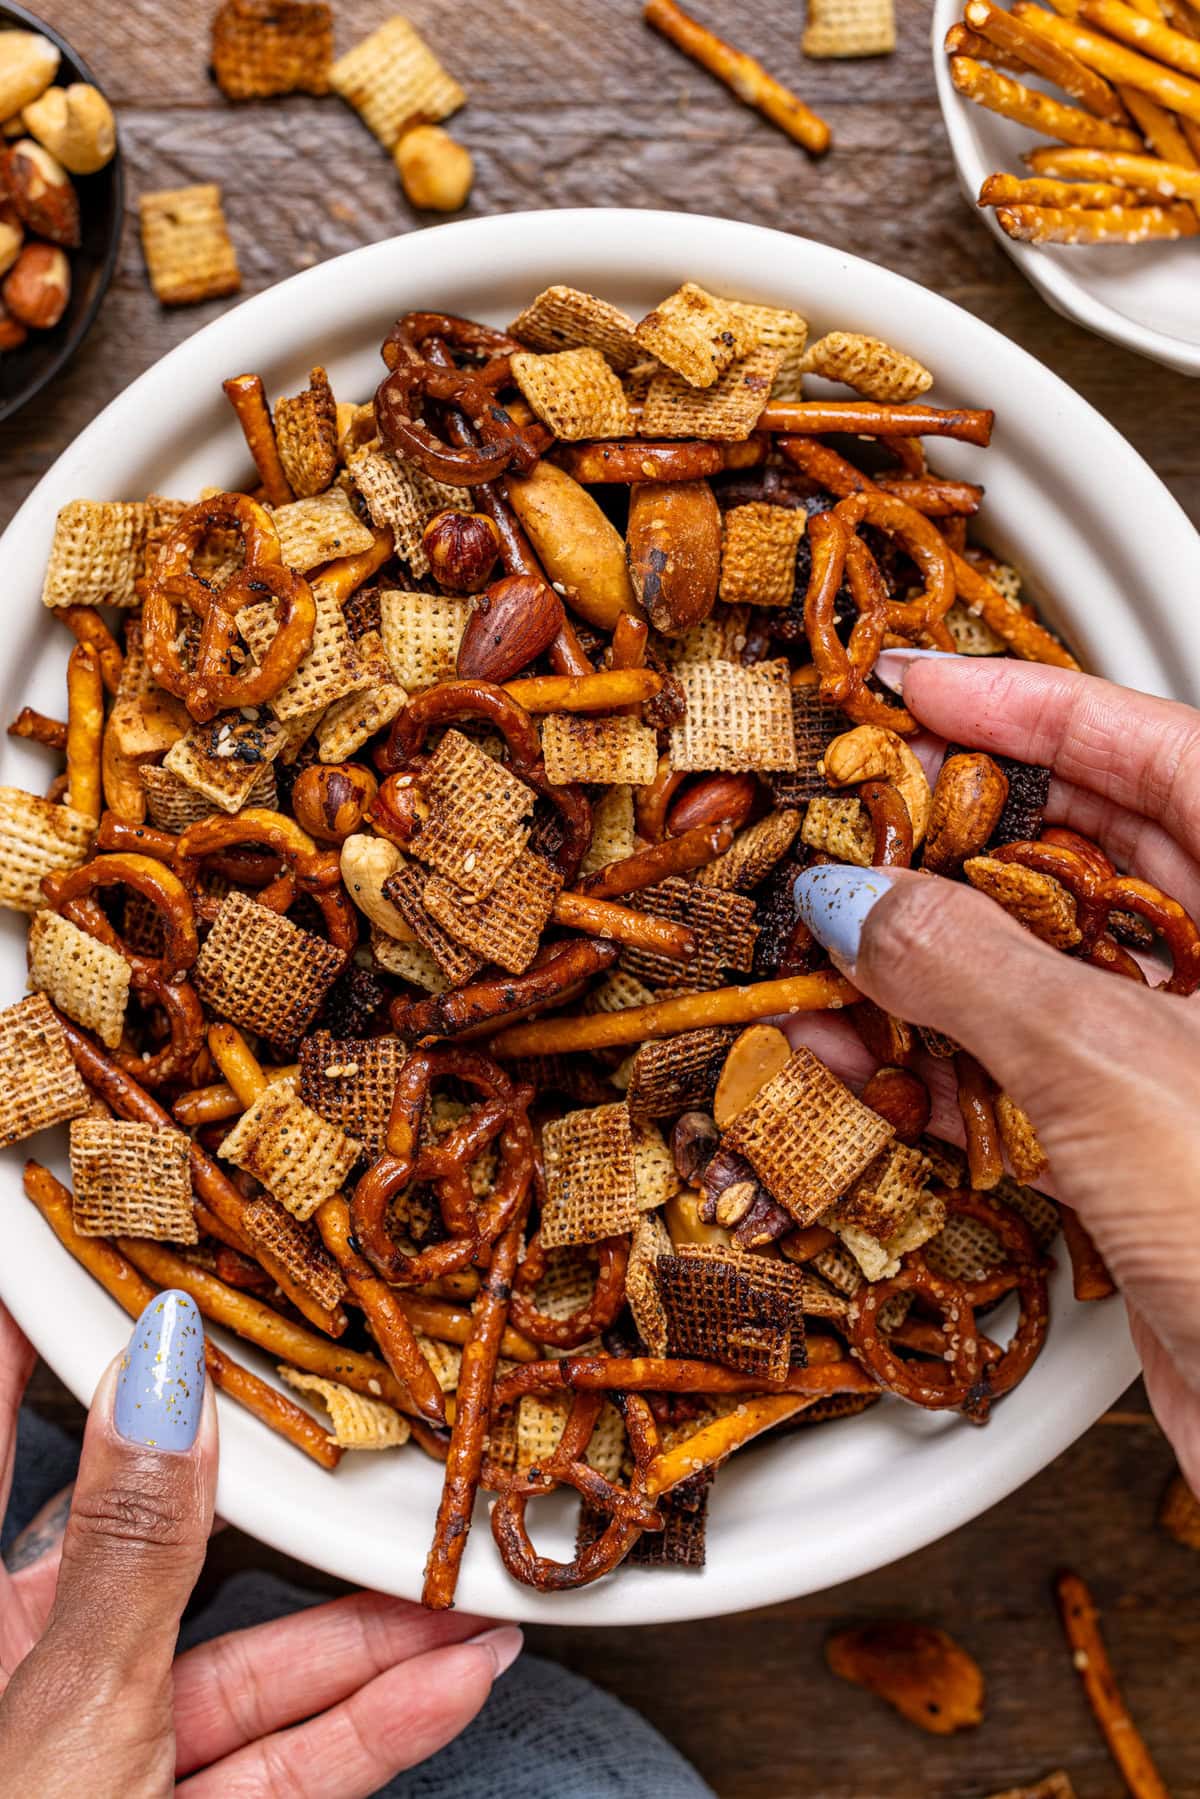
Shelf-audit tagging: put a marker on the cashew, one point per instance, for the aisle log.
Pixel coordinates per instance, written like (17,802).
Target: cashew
(75,124)
(436,172)
(28,64)
(873,753)
(367,862)
(140,729)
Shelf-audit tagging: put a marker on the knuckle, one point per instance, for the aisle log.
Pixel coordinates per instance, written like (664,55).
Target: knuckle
(138,1513)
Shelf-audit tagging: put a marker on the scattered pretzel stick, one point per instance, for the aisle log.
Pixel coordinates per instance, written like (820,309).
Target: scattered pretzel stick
(1122,66)
(1089,1273)
(85,730)
(603,692)
(1005,95)
(868,418)
(1080,1621)
(39,729)
(248,398)
(1078,225)
(1001,30)
(822,992)
(639,930)
(86,626)
(1146,174)
(213,1105)
(744,76)
(645,868)
(1011,190)
(121,1279)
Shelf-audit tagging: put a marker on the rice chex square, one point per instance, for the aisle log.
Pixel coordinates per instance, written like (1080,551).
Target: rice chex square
(329,671)
(591,1178)
(318,529)
(787,332)
(403,497)
(86,979)
(737,718)
(259,970)
(582,747)
(37,838)
(300,1158)
(96,554)
(132,1180)
(849,28)
(727,411)
(393,80)
(651,1240)
(885,1193)
(421,633)
(717,1312)
(226,761)
(186,244)
(39,1082)
(612,829)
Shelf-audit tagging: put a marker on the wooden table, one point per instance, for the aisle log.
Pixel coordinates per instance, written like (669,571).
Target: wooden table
(575,103)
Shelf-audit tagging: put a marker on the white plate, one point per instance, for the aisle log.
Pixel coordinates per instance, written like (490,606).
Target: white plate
(1063,490)
(1144,296)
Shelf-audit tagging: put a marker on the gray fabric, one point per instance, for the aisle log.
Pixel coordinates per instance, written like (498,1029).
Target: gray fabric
(544,1733)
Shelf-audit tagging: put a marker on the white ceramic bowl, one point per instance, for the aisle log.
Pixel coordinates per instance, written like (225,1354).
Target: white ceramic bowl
(1142,296)
(1064,492)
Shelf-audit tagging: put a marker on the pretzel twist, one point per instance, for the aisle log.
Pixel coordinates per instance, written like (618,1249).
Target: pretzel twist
(587,1321)
(308,868)
(1025,1273)
(938,1386)
(415,380)
(838,554)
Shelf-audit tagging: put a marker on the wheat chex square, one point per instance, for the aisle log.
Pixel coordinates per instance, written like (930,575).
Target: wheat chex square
(886,1193)
(505,926)
(737,718)
(591,1177)
(188,252)
(478,816)
(351,1081)
(717,1312)
(296,1247)
(669,1075)
(132,1180)
(563,318)
(39,1083)
(696,335)
(726,412)
(262,972)
(173,805)
(306,436)
(261,48)
(778,1276)
(406,891)
(393,80)
(86,979)
(299,1158)
(37,838)
(814,727)
(97,554)
(758,553)
(606,751)
(724,928)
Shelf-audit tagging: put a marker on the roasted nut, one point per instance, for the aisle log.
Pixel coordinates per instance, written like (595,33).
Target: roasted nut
(12,236)
(902,1098)
(436,172)
(38,286)
(330,800)
(681,1215)
(580,550)
(41,190)
(397,810)
(723,1169)
(693,1141)
(755,1057)
(75,124)
(28,64)
(462,548)
(367,862)
(922,1671)
(735,1202)
(713,800)
(674,546)
(873,753)
(968,799)
(514,621)
(12,332)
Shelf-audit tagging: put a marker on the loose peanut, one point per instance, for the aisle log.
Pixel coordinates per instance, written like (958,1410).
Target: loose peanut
(967,802)
(437,173)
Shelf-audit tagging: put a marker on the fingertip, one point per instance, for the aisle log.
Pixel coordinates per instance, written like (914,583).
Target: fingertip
(503,1645)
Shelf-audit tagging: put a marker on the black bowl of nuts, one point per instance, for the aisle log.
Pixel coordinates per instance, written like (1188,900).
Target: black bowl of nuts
(61,204)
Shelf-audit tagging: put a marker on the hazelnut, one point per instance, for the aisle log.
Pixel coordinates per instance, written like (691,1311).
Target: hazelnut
(38,286)
(462,548)
(437,173)
(41,190)
(902,1098)
(693,1141)
(28,64)
(330,800)
(75,124)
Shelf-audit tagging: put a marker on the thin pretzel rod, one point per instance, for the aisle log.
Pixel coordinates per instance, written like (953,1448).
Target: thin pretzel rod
(960,40)
(38,728)
(741,74)
(248,397)
(1121,225)
(1146,174)
(447,1323)
(626,460)
(1005,95)
(823,992)
(628,648)
(268,1330)
(976,1103)
(1059,65)
(339,579)
(121,1279)
(1080,1621)
(1089,1271)
(1011,190)
(1164,134)
(645,868)
(602,692)
(714,1442)
(868,418)
(933,496)
(86,626)
(639,930)
(483,1002)
(211,1183)
(238,1063)
(1123,66)
(477,1376)
(213,1105)
(1144,33)
(85,729)
(671,1374)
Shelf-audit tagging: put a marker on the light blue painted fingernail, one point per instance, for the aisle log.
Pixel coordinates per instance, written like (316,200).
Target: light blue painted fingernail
(890,665)
(160,1387)
(834,899)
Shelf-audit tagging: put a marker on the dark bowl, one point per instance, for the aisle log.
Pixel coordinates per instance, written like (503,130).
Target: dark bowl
(25,371)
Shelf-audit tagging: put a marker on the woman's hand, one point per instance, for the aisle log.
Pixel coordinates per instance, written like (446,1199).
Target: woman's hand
(1108,1070)
(93,1699)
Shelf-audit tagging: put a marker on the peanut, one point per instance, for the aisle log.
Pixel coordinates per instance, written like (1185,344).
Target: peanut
(436,172)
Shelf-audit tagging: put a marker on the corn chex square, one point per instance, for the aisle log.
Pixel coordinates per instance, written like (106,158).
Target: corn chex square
(351,1082)
(727,411)
(669,1075)
(296,1247)
(329,671)
(259,970)
(585,747)
(753,853)
(226,761)
(505,926)
(787,332)
(655,1173)
(591,1177)
(839,827)
(575,393)
(97,554)
(696,334)
(849,28)
(355,1421)
(880,1260)
(316,530)
(350,722)
(299,1158)
(39,1083)
(393,80)
(86,979)
(421,633)
(868,365)
(564,318)
(612,829)
(723,925)
(539,1426)
(402,497)
(410,962)
(1036,900)
(131,1180)
(37,838)
(186,244)
(758,553)
(306,436)
(478,816)
(406,891)
(737,718)
(261,48)
(618,992)
(651,1239)
(807,1137)
(721,637)
(717,1312)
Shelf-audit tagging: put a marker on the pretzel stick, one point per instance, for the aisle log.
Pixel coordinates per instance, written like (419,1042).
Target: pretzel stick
(211,1183)
(86,626)
(248,398)
(714,1442)
(645,868)
(678,1374)
(868,418)
(640,930)
(1090,1276)
(1160,128)
(1011,190)
(1144,33)
(960,40)
(1005,95)
(603,692)
(622,462)
(743,76)
(1080,1621)
(932,496)
(824,992)
(476,1378)
(447,1323)
(1164,180)
(213,1105)
(1121,225)
(976,1090)
(1122,66)
(338,580)
(85,728)
(119,1278)
(1057,64)
(483,1002)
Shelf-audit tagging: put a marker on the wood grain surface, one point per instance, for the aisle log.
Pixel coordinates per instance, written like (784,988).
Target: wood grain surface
(575,103)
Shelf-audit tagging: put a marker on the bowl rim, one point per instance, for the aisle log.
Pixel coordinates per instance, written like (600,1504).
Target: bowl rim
(1052,279)
(753,257)
(11,14)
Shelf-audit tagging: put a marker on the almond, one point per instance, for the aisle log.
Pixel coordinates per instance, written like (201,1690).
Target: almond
(514,621)
(41,190)
(38,286)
